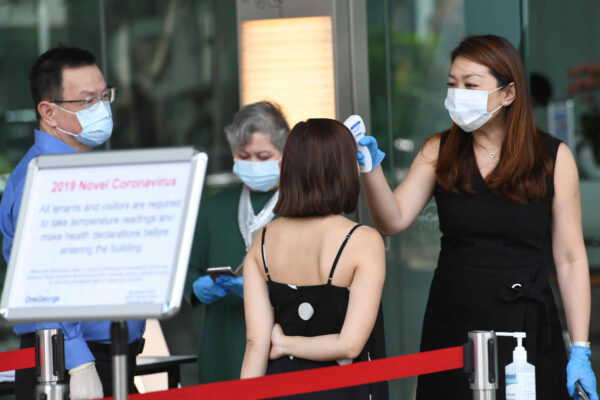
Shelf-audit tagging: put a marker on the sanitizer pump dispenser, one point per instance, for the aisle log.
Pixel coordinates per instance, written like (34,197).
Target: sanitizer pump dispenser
(519,374)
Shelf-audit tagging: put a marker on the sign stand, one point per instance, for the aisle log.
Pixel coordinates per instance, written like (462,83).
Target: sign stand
(50,360)
(112,233)
(118,347)
(481,364)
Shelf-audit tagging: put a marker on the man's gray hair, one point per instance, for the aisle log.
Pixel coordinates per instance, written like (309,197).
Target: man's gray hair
(265,117)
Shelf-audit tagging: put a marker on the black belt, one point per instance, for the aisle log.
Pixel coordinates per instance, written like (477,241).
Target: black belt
(531,290)
(513,284)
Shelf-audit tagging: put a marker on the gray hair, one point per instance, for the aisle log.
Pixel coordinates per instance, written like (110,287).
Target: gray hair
(265,117)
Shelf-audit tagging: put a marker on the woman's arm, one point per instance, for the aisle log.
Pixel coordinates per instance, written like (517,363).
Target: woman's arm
(259,315)
(394,212)
(363,306)
(568,247)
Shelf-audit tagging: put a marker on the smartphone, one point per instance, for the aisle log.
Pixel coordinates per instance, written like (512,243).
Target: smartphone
(581,392)
(214,272)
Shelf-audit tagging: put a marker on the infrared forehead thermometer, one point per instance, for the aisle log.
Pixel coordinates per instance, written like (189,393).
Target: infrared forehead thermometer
(357,126)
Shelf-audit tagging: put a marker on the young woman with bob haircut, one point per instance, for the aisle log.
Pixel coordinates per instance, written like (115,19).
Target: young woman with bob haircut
(506,194)
(313,278)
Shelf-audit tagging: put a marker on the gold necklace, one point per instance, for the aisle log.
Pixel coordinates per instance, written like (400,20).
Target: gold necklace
(492,154)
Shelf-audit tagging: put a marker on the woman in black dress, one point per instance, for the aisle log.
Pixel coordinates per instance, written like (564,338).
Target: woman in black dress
(313,278)
(505,192)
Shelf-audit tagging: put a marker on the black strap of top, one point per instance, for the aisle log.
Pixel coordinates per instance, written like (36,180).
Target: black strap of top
(339,253)
(262,249)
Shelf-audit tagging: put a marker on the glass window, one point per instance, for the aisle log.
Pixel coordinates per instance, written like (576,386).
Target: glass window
(174,66)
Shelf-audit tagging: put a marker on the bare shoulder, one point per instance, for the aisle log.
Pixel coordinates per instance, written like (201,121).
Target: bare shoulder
(368,239)
(566,177)
(275,227)
(368,233)
(275,222)
(564,156)
(255,247)
(367,252)
(565,167)
(431,149)
(361,234)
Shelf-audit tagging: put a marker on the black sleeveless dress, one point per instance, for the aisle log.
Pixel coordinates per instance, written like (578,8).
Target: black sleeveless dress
(320,310)
(491,276)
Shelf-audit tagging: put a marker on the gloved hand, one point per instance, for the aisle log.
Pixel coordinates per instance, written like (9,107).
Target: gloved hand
(579,369)
(85,382)
(376,154)
(207,290)
(232,284)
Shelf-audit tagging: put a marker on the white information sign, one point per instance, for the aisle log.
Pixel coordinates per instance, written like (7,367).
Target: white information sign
(104,235)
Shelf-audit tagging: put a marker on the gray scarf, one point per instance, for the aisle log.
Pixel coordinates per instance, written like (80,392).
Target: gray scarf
(249,223)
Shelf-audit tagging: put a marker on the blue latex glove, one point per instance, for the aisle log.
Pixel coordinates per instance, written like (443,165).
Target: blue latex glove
(376,154)
(579,369)
(232,284)
(207,291)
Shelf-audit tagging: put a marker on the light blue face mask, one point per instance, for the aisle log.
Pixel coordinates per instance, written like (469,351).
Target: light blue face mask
(257,175)
(96,123)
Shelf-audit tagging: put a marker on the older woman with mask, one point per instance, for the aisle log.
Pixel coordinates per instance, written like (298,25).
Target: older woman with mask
(227,223)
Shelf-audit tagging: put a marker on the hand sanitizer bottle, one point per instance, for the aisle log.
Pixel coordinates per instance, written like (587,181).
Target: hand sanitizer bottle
(519,374)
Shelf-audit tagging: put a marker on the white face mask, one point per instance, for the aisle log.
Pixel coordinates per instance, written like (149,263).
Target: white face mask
(258,175)
(96,124)
(468,108)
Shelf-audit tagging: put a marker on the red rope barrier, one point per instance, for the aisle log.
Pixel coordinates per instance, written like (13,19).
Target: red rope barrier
(315,380)
(17,359)
(290,383)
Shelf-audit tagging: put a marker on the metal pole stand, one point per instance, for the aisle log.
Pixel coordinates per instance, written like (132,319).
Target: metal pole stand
(118,345)
(50,370)
(481,363)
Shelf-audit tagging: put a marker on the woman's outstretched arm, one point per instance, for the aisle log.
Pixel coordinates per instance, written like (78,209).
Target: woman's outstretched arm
(393,212)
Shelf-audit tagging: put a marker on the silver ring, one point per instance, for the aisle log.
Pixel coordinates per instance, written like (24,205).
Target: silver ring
(516,285)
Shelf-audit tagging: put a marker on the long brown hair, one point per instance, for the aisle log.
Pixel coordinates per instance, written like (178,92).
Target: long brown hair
(319,171)
(521,173)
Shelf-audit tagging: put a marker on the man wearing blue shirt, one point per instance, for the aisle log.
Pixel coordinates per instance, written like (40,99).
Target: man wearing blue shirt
(72,104)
